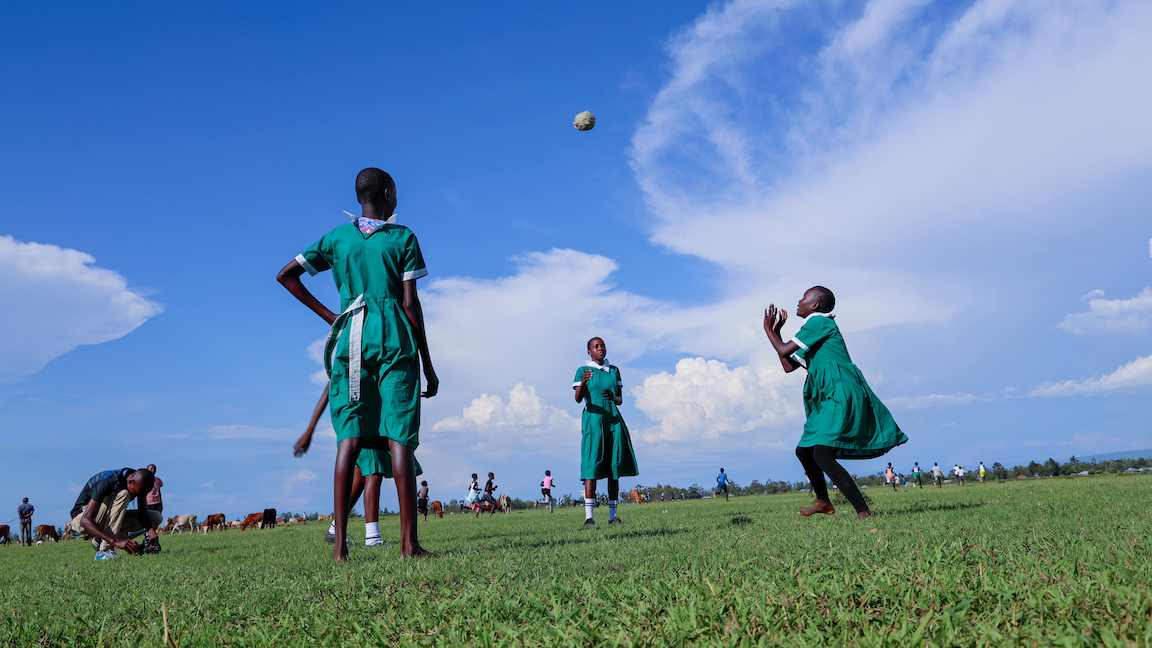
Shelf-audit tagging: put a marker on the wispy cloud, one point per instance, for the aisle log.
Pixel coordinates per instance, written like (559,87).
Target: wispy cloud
(1111,316)
(933,400)
(1136,375)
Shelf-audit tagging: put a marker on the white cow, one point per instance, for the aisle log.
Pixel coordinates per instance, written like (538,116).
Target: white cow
(181,522)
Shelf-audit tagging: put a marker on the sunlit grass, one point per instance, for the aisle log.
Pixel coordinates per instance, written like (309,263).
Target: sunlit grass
(1057,561)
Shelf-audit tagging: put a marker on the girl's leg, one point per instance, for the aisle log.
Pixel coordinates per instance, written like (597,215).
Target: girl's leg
(346,453)
(613,497)
(816,483)
(589,500)
(404,473)
(825,457)
(372,510)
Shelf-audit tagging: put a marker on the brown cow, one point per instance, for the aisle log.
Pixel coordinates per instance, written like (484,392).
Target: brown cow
(323,517)
(635,496)
(214,521)
(300,520)
(438,508)
(45,531)
(253,520)
(4,531)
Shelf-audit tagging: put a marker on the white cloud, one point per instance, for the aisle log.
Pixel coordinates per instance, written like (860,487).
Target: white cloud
(1136,375)
(1111,316)
(932,400)
(524,416)
(56,300)
(304,475)
(208,484)
(705,399)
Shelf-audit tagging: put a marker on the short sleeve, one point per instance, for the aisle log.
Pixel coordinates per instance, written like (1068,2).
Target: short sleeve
(160,482)
(815,330)
(414,267)
(579,377)
(619,380)
(103,489)
(800,357)
(318,257)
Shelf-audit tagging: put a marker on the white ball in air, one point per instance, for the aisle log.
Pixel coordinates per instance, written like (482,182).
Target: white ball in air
(584,121)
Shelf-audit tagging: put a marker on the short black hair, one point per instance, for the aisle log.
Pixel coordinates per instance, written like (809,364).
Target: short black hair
(825,301)
(25,500)
(423,483)
(589,345)
(473,475)
(546,472)
(147,479)
(373,184)
(491,474)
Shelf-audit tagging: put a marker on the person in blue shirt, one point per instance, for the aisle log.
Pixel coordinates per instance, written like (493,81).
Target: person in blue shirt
(722,484)
(25,511)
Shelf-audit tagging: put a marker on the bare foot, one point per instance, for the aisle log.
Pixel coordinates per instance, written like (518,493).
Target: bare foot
(340,553)
(864,515)
(420,552)
(821,506)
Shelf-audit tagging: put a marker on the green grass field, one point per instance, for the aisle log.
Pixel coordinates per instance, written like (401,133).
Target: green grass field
(1046,562)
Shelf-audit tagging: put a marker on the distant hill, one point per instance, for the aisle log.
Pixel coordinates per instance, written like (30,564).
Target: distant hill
(1113,456)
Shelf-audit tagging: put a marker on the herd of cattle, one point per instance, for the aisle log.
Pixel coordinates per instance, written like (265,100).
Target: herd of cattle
(215,522)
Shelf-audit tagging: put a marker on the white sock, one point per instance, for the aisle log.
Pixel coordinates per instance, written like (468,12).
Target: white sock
(332,527)
(371,529)
(589,507)
(611,510)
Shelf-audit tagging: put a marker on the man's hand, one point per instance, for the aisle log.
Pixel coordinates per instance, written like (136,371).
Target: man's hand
(127,545)
(432,382)
(152,546)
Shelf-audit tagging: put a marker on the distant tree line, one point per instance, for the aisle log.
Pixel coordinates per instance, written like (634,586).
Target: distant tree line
(1050,468)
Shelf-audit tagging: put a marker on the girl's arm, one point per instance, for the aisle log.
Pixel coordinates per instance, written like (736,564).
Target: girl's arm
(581,389)
(415,315)
(773,322)
(305,439)
(289,277)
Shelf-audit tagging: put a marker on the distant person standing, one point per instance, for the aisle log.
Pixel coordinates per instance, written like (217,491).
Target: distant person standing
(722,484)
(960,474)
(153,499)
(982,473)
(422,500)
(916,475)
(890,476)
(25,512)
(937,475)
(546,490)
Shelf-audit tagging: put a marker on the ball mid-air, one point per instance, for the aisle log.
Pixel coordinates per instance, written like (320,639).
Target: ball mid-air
(584,121)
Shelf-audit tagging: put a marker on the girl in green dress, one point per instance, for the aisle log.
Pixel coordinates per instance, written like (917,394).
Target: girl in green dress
(845,419)
(606,448)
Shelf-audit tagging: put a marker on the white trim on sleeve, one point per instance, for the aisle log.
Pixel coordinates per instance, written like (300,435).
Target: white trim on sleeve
(799,343)
(307,266)
(576,384)
(415,274)
(795,358)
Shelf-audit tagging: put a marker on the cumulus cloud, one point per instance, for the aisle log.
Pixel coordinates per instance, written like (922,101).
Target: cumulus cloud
(704,399)
(304,476)
(524,415)
(1136,375)
(56,301)
(932,401)
(1111,316)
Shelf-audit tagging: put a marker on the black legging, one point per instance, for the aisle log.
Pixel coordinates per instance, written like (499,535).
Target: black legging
(818,460)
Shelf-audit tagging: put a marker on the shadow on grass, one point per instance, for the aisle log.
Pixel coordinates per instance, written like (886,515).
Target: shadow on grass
(926,507)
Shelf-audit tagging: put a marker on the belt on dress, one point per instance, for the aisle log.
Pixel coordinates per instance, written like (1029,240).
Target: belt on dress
(355,314)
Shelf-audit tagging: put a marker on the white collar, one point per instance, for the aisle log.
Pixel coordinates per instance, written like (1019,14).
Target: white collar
(814,314)
(391,220)
(607,366)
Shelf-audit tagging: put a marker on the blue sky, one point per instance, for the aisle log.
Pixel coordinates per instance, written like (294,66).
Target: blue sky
(971,178)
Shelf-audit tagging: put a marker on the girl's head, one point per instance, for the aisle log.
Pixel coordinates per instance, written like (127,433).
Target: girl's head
(473,475)
(423,483)
(491,475)
(597,350)
(547,473)
(817,299)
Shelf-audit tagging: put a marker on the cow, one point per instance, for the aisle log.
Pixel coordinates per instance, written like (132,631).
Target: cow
(438,508)
(635,496)
(181,522)
(4,531)
(280,521)
(269,519)
(300,520)
(214,521)
(234,524)
(45,531)
(251,520)
(323,517)
(504,504)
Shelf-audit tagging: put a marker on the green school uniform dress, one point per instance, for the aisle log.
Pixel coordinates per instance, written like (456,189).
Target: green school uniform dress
(606,447)
(371,354)
(842,411)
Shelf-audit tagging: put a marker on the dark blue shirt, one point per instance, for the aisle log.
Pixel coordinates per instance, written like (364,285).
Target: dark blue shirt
(101,486)
(25,511)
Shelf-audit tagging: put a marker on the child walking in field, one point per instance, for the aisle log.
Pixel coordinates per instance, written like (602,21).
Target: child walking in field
(606,447)
(845,420)
(375,348)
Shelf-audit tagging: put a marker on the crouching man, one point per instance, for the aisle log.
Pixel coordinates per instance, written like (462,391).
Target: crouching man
(101,512)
